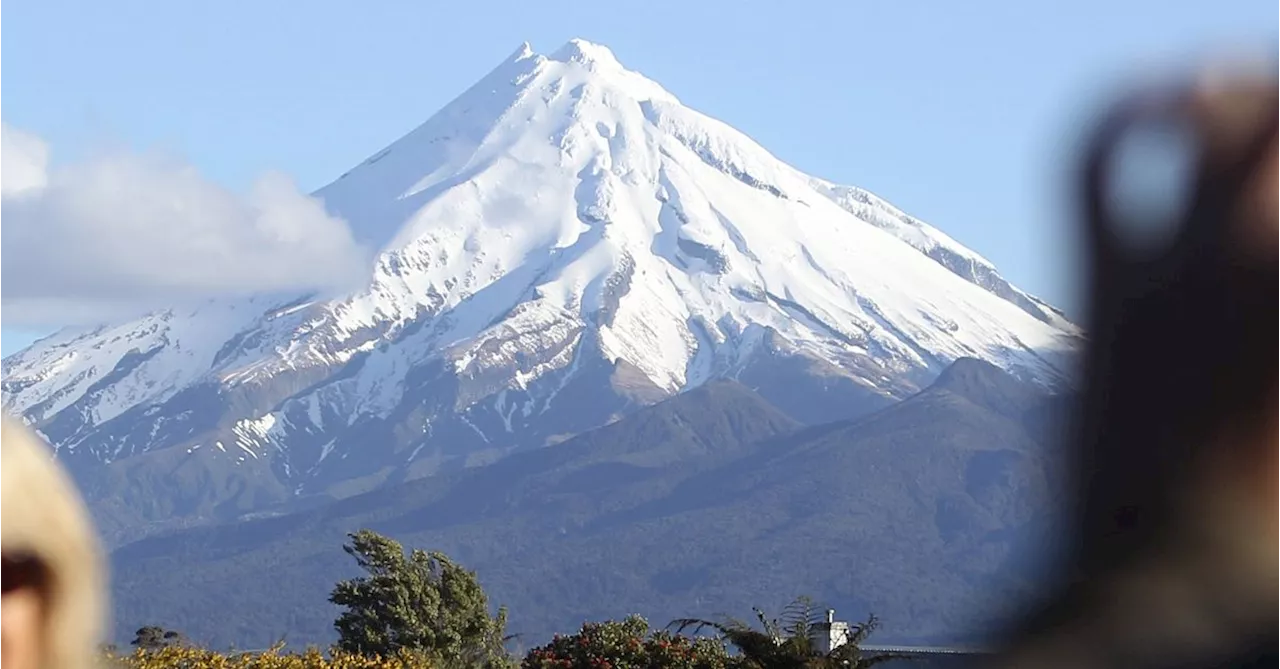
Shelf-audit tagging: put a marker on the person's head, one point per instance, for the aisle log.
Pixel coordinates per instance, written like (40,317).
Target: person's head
(1173,559)
(53,587)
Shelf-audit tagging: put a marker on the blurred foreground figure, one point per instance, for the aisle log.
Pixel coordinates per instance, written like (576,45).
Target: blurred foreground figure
(1174,557)
(53,602)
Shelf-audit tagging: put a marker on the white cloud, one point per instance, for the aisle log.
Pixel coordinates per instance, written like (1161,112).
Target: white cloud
(26,161)
(124,232)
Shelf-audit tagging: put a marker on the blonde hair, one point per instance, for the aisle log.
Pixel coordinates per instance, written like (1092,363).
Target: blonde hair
(43,515)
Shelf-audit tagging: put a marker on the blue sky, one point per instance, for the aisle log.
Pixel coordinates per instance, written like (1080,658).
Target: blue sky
(959,112)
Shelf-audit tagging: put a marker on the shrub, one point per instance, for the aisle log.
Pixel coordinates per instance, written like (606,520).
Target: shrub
(628,644)
(184,657)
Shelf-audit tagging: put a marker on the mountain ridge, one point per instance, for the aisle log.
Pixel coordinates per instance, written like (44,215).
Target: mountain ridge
(932,513)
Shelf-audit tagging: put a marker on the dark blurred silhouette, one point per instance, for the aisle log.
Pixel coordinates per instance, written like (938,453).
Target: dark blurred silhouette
(1174,558)
(53,603)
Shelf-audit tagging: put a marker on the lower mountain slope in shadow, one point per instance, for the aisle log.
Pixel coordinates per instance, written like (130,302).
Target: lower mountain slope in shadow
(929,513)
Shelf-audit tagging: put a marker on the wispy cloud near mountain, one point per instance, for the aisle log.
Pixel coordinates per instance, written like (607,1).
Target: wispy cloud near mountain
(125,232)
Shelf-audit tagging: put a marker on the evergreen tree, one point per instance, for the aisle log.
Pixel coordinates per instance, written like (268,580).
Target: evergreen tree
(422,602)
(153,637)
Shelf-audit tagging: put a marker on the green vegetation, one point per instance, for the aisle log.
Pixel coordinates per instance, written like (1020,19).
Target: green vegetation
(151,638)
(629,644)
(179,657)
(424,611)
(421,602)
(792,641)
(929,512)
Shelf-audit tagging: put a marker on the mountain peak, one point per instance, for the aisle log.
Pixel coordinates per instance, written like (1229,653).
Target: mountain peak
(525,50)
(586,53)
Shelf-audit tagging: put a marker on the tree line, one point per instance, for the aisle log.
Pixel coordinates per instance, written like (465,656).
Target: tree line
(423,610)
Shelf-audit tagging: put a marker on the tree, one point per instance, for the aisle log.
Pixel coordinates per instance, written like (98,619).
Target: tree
(628,644)
(153,638)
(788,643)
(422,602)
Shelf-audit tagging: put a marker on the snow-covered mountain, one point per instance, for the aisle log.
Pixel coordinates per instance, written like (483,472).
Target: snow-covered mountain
(562,243)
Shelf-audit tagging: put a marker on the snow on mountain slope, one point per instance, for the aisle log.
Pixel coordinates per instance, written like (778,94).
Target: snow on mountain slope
(938,246)
(561,242)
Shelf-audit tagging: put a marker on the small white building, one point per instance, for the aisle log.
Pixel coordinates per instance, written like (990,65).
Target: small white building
(829,635)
